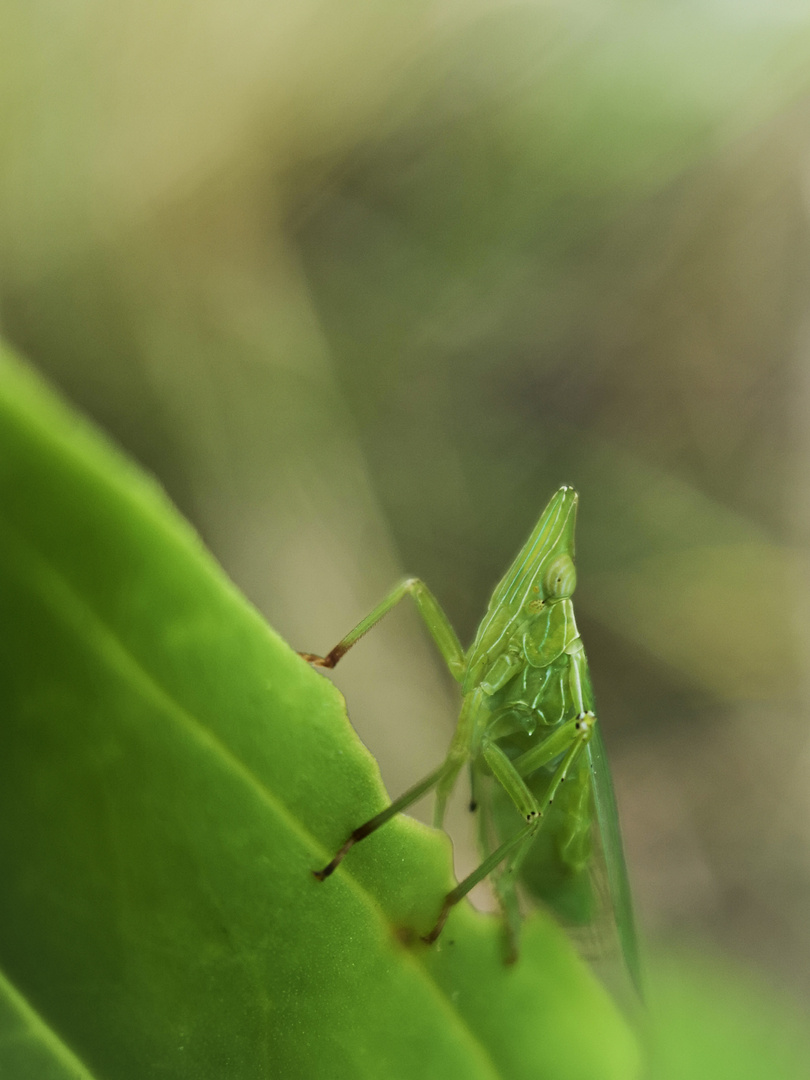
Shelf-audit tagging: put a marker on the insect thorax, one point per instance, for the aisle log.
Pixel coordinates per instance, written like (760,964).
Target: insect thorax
(536,699)
(537,639)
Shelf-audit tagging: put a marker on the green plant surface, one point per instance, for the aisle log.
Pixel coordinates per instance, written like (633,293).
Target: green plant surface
(170,774)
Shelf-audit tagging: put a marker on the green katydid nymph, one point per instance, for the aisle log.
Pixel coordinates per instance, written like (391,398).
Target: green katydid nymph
(528,731)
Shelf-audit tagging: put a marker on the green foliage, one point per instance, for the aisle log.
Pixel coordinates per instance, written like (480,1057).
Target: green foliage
(170,773)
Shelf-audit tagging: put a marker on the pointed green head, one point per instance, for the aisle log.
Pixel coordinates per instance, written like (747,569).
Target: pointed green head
(542,573)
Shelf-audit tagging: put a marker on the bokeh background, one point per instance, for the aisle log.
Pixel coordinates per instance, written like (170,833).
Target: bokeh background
(364,282)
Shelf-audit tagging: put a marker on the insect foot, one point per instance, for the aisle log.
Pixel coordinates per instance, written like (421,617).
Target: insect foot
(430,938)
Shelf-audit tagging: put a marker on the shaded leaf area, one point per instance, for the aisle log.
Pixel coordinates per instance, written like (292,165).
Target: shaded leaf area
(170,773)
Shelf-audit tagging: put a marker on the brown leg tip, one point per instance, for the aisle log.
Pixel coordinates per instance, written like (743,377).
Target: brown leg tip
(328,661)
(430,938)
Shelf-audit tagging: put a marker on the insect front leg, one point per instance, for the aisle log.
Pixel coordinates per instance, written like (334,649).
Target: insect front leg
(574,736)
(433,617)
(469,882)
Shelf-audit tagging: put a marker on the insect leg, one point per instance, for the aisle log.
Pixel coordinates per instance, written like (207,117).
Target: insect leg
(526,834)
(446,783)
(504,882)
(469,882)
(370,826)
(504,879)
(428,607)
(577,732)
(475,796)
(458,753)
(510,780)
(442,779)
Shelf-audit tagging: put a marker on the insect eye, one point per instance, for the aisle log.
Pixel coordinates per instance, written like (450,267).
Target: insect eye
(560,579)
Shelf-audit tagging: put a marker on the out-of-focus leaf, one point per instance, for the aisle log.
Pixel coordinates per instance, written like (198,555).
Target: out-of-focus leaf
(717,614)
(170,773)
(691,581)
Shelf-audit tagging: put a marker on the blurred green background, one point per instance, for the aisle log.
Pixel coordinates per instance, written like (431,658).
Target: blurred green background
(362,283)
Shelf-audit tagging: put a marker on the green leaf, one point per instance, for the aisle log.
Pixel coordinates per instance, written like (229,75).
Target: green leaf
(170,774)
